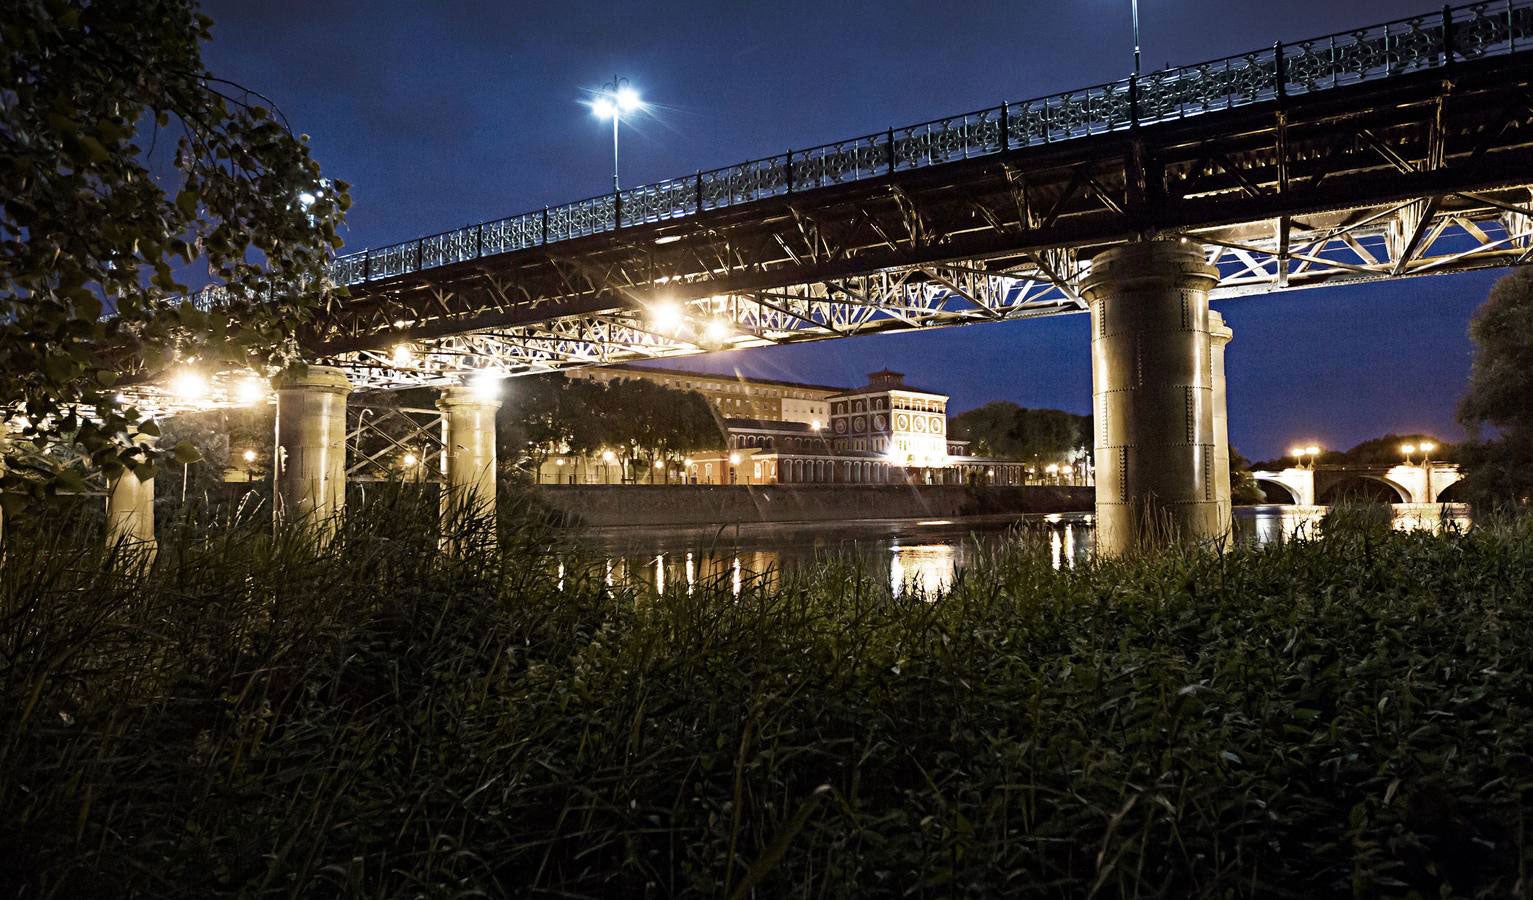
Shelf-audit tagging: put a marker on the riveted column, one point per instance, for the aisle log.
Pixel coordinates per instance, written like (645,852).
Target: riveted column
(468,449)
(1219,335)
(130,514)
(1152,395)
(309,467)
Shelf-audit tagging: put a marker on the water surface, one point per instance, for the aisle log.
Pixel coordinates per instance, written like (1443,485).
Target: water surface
(911,553)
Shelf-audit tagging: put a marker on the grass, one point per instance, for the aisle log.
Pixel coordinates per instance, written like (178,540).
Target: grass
(1349,716)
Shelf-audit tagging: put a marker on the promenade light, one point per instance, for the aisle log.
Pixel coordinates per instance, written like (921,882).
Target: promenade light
(248,456)
(1409,450)
(665,316)
(816,425)
(1297,453)
(410,460)
(1312,450)
(734,459)
(559,462)
(719,331)
(608,456)
(190,386)
(1426,447)
(485,385)
(1052,469)
(659,463)
(250,390)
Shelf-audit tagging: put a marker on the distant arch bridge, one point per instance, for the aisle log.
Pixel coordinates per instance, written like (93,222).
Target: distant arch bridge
(1411,483)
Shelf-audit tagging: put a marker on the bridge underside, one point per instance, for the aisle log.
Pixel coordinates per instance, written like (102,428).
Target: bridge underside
(1418,175)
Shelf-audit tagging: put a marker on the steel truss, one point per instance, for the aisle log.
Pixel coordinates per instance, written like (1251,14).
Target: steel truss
(1386,152)
(379,440)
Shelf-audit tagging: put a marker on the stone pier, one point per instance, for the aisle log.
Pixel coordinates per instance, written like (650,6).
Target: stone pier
(1219,336)
(468,448)
(130,514)
(1153,396)
(309,467)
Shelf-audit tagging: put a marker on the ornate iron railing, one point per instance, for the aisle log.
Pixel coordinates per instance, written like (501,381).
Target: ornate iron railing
(1470,31)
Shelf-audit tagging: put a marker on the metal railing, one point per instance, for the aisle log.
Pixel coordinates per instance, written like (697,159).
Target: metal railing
(1470,31)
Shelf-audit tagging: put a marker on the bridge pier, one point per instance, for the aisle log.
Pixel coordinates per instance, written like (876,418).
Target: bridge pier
(468,451)
(309,467)
(1219,336)
(130,514)
(1153,396)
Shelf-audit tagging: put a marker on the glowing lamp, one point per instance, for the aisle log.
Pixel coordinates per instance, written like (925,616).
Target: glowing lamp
(189,386)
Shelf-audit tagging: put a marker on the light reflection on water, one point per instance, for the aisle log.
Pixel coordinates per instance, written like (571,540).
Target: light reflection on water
(919,556)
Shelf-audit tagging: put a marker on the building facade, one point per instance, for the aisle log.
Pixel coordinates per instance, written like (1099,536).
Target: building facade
(780,432)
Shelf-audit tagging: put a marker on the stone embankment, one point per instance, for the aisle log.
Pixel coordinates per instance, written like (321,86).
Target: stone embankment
(607,505)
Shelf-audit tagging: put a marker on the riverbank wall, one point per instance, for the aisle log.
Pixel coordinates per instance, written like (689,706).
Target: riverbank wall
(604,505)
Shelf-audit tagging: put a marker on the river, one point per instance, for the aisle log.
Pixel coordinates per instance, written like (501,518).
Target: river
(911,553)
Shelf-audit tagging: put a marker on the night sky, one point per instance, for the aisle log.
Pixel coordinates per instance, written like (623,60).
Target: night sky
(442,115)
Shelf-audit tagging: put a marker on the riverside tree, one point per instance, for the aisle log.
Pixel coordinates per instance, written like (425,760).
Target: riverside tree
(1500,394)
(642,422)
(128,163)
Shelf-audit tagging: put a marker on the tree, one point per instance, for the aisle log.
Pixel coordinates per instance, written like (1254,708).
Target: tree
(1500,393)
(1243,487)
(1004,429)
(126,160)
(642,421)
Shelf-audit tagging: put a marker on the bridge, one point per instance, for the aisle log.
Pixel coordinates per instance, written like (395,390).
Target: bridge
(1420,483)
(1396,150)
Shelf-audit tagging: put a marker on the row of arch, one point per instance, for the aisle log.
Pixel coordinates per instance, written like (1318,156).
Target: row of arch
(831,471)
(1354,486)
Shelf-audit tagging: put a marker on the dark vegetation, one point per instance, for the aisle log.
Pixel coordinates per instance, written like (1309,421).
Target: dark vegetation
(1004,429)
(1349,716)
(1498,406)
(126,163)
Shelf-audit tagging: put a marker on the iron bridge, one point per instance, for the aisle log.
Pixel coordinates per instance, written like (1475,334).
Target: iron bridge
(1394,150)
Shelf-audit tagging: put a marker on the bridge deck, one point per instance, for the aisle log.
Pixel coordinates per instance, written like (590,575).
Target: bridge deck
(1391,151)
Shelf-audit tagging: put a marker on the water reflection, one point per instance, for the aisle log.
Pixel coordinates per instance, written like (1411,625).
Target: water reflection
(920,557)
(923,568)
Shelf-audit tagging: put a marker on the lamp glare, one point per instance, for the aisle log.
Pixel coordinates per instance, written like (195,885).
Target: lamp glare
(189,386)
(628,99)
(250,391)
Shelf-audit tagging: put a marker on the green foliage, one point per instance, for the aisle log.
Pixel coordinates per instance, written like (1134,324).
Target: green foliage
(1243,487)
(1346,717)
(1004,429)
(1500,393)
(124,161)
(640,419)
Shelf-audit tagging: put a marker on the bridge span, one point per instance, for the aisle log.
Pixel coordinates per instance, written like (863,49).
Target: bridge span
(1390,151)
(1412,483)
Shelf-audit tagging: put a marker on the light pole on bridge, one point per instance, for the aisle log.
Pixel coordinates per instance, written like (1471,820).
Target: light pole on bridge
(616,98)
(1136,37)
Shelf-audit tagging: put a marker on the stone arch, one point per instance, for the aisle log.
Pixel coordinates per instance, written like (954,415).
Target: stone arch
(1268,481)
(1336,489)
(1447,486)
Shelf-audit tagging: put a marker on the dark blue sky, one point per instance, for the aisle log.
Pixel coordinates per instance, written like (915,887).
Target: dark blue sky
(441,115)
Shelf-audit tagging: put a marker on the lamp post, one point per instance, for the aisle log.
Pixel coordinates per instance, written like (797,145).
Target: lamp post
(617,97)
(1136,38)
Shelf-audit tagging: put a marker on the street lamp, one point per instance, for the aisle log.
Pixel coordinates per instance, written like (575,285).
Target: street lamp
(1299,453)
(617,97)
(1136,38)
(1409,450)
